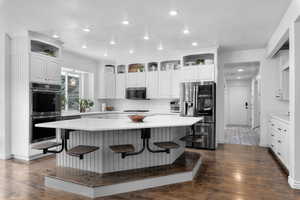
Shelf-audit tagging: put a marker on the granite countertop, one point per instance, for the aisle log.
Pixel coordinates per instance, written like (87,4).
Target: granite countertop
(102,124)
(282,117)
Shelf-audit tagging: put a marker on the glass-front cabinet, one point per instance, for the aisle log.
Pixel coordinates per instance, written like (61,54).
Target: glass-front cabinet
(136,76)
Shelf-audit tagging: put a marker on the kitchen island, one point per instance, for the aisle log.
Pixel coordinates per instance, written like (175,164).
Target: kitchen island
(148,139)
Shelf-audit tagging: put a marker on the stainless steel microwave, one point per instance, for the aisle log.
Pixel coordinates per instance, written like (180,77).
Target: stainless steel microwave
(137,93)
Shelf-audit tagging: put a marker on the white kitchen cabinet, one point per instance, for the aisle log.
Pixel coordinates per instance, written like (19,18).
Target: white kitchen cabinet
(164,84)
(136,79)
(120,86)
(152,84)
(279,140)
(45,69)
(284,73)
(110,85)
(176,80)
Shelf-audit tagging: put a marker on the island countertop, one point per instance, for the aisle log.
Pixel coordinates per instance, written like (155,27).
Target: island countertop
(96,124)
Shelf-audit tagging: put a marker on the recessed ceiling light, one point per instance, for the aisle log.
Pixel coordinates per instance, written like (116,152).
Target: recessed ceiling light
(86,29)
(195,44)
(240,70)
(84,46)
(131,51)
(112,42)
(173,12)
(55,36)
(146,37)
(238,77)
(125,22)
(160,47)
(186,31)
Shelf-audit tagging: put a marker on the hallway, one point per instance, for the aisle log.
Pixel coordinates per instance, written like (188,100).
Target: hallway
(241,135)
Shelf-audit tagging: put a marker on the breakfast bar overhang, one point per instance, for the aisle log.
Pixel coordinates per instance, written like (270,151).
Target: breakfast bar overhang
(112,146)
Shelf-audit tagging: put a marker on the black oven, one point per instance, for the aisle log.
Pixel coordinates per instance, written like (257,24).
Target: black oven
(136,93)
(45,99)
(42,134)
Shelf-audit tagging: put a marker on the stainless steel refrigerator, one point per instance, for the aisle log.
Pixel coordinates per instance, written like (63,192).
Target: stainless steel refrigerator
(198,99)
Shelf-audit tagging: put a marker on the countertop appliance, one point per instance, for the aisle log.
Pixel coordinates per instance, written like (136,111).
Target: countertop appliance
(45,106)
(198,99)
(136,93)
(175,106)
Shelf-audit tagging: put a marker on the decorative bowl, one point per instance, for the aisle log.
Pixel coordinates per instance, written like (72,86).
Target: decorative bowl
(137,118)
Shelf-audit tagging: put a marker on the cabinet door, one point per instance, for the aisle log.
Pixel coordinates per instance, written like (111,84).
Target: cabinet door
(285,145)
(187,74)
(120,86)
(165,80)
(152,85)
(131,79)
(204,72)
(176,80)
(110,85)
(53,72)
(38,68)
(140,79)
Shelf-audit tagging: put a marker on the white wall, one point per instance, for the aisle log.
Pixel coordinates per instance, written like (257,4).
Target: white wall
(269,84)
(5,147)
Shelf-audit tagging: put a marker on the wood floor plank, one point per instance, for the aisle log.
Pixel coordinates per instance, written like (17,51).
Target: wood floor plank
(233,172)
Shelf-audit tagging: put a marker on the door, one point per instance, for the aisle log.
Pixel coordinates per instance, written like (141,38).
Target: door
(37,69)
(239,103)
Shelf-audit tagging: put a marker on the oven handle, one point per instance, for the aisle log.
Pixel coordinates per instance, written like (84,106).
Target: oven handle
(45,117)
(50,91)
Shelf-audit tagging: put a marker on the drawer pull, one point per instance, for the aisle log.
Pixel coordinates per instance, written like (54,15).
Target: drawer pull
(285,130)
(279,141)
(272,145)
(279,129)
(278,153)
(272,125)
(272,135)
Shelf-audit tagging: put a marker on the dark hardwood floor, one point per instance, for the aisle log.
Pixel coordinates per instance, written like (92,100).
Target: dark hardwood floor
(233,172)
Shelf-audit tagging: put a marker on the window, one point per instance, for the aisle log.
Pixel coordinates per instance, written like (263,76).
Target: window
(71,89)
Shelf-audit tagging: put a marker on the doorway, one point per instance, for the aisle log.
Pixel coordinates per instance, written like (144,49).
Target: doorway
(242,100)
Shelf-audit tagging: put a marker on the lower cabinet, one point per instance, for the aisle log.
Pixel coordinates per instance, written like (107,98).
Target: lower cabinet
(279,140)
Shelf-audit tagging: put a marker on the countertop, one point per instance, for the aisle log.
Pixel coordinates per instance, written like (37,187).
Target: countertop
(282,117)
(69,114)
(102,124)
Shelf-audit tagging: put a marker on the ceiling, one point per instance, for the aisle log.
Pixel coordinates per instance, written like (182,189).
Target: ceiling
(241,71)
(231,24)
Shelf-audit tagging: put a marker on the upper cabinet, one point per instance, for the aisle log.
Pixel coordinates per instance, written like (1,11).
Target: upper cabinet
(152,80)
(198,67)
(110,81)
(120,81)
(136,76)
(45,65)
(284,75)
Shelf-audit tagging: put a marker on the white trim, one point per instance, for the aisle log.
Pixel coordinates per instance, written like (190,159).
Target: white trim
(29,158)
(122,187)
(293,183)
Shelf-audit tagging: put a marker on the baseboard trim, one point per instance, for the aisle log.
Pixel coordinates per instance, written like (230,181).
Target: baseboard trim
(293,183)
(29,158)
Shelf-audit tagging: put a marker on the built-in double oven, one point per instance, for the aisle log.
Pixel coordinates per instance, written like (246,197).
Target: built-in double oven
(45,107)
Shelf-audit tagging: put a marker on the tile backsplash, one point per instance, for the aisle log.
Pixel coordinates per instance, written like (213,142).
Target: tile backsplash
(162,105)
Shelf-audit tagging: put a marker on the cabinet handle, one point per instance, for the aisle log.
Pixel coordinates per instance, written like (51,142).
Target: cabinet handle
(272,135)
(278,153)
(272,125)
(272,145)
(279,129)
(279,141)
(285,130)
